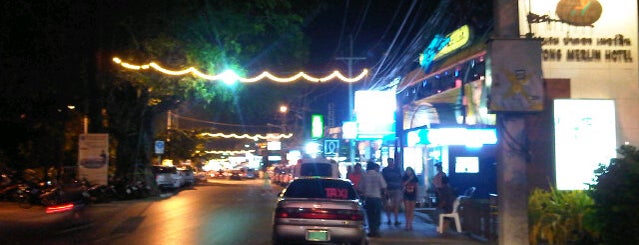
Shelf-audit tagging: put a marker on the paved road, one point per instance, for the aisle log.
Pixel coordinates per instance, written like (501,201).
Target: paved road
(217,212)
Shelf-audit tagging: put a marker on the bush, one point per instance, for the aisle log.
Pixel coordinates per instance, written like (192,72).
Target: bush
(616,197)
(557,217)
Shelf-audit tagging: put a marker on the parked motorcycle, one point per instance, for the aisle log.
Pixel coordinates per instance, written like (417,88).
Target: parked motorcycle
(27,194)
(69,192)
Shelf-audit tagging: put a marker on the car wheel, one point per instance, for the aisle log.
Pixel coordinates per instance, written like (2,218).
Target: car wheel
(364,241)
(276,241)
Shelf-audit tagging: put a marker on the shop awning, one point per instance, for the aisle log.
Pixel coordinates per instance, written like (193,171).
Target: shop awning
(450,96)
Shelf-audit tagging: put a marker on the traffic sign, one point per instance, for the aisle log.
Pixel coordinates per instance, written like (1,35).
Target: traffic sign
(159,147)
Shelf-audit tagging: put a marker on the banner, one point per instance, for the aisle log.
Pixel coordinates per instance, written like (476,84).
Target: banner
(93,157)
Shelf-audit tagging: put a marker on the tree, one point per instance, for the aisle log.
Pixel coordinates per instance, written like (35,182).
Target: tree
(616,198)
(210,35)
(45,46)
(63,58)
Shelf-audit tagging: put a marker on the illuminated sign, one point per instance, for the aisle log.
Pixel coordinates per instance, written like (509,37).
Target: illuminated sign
(456,39)
(579,12)
(317,126)
(375,113)
(349,130)
(441,46)
(585,136)
(453,136)
(582,31)
(274,145)
(436,45)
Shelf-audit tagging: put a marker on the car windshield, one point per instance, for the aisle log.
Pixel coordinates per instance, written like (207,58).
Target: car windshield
(164,170)
(320,188)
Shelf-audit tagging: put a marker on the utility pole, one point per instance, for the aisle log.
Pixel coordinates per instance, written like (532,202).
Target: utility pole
(524,60)
(349,62)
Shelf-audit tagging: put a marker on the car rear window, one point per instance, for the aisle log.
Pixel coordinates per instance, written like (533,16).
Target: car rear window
(164,170)
(316,169)
(320,188)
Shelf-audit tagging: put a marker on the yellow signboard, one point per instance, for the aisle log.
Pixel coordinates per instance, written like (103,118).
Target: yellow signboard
(457,39)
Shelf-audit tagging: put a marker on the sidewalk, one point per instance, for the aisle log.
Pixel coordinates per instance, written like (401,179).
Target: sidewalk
(424,232)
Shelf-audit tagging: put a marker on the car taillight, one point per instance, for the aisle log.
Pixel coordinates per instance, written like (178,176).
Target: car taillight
(319,213)
(59,208)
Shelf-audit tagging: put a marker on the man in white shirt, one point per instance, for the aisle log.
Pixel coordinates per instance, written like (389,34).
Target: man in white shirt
(372,186)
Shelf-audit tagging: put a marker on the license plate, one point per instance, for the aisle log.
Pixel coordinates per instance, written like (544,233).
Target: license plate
(317,235)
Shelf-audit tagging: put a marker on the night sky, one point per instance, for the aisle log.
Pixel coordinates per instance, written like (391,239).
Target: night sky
(50,43)
(374,28)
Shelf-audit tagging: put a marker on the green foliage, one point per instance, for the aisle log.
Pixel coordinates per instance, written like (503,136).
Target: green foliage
(212,36)
(616,197)
(182,144)
(557,217)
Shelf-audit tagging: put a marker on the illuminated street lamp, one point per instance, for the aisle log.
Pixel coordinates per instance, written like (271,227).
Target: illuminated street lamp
(283,109)
(229,77)
(283,112)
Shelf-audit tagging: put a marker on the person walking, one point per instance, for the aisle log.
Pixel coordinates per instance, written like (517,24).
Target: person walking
(355,174)
(410,183)
(393,177)
(372,186)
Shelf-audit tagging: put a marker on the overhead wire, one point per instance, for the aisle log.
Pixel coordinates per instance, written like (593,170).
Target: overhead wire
(388,27)
(391,46)
(343,28)
(362,20)
(403,56)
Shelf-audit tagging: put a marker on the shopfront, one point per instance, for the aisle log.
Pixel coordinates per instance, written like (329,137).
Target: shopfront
(467,156)
(443,113)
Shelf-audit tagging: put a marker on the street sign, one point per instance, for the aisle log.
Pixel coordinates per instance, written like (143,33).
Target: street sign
(331,148)
(159,147)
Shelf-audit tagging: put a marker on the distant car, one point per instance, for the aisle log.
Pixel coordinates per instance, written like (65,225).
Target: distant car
(321,167)
(166,177)
(319,210)
(200,176)
(251,173)
(235,175)
(187,176)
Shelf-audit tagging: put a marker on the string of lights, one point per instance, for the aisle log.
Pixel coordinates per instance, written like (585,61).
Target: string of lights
(228,152)
(216,123)
(255,137)
(230,75)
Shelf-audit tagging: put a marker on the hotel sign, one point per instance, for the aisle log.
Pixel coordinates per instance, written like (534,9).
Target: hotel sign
(580,31)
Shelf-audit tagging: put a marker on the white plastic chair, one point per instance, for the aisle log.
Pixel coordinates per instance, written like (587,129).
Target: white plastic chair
(454,214)
(469,192)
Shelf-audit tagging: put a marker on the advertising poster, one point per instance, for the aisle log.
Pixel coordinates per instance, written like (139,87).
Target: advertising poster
(93,157)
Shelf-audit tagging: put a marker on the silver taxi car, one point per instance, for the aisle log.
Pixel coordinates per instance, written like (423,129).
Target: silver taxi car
(319,210)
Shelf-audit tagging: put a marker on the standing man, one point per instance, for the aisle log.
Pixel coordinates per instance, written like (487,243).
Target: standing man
(393,177)
(372,186)
(438,181)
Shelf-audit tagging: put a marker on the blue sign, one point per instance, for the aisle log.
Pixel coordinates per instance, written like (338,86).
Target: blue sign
(436,45)
(159,147)
(331,148)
